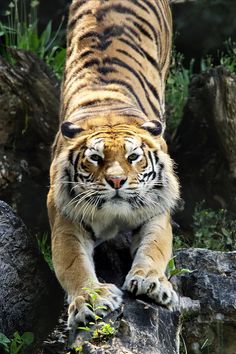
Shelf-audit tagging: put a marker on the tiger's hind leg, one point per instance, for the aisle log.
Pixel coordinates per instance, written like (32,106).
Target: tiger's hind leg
(152,247)
(72,253)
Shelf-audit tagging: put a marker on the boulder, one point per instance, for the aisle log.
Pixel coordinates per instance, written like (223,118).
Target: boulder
(141,326)
(206,313)
(204,147)
(29,104)
(210,327)
(30,297)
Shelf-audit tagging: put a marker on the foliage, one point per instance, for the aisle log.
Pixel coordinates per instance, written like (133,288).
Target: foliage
(179,241)
(173,271)
(45,249)
(21,31)
(177,89)
(179,78)
(100,331)
(212,229)
(17,343)
(228,59)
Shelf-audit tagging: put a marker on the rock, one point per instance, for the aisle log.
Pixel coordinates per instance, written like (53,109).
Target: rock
(207,307)
(204,147)
(142,326)
(213,284)
(30,297)
(29,104)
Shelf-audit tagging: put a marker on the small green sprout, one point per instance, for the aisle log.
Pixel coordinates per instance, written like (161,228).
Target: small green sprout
(173,271)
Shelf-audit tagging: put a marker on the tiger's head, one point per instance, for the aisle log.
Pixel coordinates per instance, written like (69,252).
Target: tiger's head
(118,168)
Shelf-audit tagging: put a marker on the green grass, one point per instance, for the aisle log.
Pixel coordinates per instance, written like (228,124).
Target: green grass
(212,229)
(20,31)
(228,59)
(177,90)
(45,248)
(180,76)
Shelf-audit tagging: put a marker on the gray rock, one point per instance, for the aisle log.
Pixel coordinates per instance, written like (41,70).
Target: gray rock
(29,103)
(142,326)
(30,297)
(207,307)
(205,143)
(213,285)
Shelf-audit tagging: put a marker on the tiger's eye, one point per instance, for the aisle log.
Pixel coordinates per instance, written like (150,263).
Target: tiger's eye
(96,157)
(133,157)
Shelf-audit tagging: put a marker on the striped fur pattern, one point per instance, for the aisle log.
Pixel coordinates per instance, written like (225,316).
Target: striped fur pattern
(111,170)
(118,52)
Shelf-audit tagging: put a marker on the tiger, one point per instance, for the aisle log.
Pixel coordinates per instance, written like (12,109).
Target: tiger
(110,168)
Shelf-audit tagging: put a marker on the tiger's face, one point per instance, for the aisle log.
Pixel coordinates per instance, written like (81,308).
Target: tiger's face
(118,170)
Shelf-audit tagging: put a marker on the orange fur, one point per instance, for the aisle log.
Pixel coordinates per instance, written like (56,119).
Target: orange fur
(110,169)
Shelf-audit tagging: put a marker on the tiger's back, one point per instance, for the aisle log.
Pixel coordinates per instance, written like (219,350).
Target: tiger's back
(117,53)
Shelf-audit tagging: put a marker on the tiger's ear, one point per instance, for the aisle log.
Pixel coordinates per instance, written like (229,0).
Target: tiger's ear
(154,127)
(69,130)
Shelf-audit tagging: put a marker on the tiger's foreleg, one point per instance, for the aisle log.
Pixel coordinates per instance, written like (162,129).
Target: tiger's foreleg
(72,254)
(152,247)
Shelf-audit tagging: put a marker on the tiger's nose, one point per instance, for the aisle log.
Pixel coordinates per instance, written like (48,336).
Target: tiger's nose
(116,182)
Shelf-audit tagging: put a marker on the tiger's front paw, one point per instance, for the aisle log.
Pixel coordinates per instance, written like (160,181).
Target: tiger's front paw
(98,301)
(157,287)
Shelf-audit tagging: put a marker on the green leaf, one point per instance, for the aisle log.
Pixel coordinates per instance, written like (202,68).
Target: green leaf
(89,305)
(85,328)
(28,338)
(180,271)
(101,308)
(171,264)
(4,339)
(4,342)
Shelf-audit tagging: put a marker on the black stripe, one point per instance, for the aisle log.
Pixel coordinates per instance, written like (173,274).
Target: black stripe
(124,10)
(161,167)
(76,5)
(70,157)
(90,34)
(128,86)
(104,70)
(154,10)
(90,63)
(102,45)
(127,54)
(156,156)
(135,2)
(152,88)
(119,62)
(112,31)
(73,21)
(70,189)
(76,166)
(85,54)
(133,45)
(89,229)
(142,30)
(135,33)
(151,159)
(142,52)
